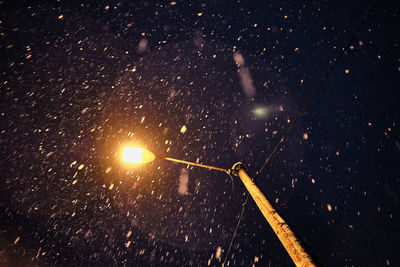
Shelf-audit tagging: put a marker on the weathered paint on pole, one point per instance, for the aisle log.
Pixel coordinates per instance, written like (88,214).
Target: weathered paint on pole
(280,227)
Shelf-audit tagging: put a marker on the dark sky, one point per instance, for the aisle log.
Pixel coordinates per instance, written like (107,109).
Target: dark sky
(214,82)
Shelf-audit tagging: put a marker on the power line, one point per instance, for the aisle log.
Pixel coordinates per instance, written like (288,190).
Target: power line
(300,114)
(321,83)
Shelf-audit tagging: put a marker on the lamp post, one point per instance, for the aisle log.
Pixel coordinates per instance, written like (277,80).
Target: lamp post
(287,237)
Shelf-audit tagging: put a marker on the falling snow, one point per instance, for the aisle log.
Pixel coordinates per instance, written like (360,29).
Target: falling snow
(183,182)
(183,129)
(215,83)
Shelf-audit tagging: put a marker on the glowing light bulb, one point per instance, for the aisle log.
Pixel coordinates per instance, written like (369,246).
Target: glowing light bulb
(137,155)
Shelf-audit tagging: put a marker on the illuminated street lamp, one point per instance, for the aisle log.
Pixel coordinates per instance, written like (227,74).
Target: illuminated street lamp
(292,245)
(138,155)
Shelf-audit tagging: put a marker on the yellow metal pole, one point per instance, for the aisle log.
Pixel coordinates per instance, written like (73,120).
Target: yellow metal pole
(280,227)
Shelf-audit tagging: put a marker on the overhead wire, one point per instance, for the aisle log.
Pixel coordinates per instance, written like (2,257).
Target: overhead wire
(299,115)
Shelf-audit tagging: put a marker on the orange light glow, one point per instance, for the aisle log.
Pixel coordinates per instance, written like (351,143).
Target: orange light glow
(137,155)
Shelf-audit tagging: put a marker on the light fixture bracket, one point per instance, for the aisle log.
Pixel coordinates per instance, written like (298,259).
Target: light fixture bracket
(235,168)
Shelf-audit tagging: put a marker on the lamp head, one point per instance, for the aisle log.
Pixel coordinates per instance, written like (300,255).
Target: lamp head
(137,155)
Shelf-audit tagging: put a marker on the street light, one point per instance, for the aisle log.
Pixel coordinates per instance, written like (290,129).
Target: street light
(139,155)
(287,237)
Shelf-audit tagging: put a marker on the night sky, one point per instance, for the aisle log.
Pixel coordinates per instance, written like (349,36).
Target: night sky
(214,82)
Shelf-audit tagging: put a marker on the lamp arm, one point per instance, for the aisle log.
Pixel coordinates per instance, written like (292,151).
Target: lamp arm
(194,164)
